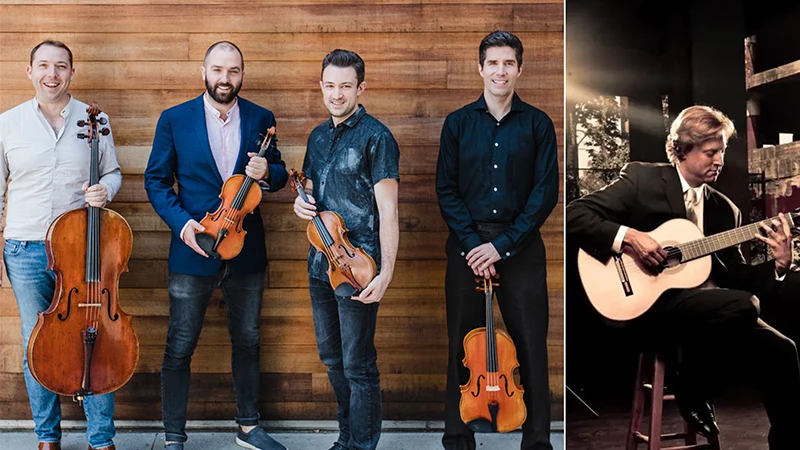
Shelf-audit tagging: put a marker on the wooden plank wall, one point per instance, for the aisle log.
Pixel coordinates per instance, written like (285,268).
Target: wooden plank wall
(138,57)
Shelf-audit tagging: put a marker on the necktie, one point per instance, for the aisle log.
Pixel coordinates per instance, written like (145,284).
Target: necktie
(691,200)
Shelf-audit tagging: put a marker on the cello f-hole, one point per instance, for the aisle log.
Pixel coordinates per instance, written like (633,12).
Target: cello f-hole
(108,302)
(69,304)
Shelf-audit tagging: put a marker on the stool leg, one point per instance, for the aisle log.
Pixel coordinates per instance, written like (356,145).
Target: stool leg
(638,405)
(656,405)
(691,435)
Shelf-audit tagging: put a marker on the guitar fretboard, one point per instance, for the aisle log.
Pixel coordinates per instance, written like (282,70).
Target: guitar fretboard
(701,247)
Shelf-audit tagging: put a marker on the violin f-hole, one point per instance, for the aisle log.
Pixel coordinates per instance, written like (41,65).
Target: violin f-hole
(347,252)
(504,378)
(69,304)
(478,387)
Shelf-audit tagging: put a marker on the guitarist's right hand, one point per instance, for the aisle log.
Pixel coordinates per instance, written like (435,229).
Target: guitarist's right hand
(643,247)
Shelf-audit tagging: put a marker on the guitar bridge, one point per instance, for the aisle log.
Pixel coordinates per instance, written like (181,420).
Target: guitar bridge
(623,276)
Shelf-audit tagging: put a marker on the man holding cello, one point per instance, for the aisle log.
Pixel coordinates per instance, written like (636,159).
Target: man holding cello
(48,165)
(352,168)
(202,143)
(497,182)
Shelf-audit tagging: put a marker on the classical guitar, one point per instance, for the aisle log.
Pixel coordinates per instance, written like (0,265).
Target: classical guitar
(623,288)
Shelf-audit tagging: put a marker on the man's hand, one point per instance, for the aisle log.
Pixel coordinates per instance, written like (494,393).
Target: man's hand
(303,209)
(482,258)
(643,247)
(779,239)
(192,228)
(257,168)
(96,195)
(375,289)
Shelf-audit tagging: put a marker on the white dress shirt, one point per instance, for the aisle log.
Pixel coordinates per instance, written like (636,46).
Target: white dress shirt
(44,171)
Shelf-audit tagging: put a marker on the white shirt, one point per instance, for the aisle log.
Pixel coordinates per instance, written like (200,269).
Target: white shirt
(224,136)
(44,171)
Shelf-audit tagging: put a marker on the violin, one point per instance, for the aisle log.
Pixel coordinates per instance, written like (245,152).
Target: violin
(84,343)
(350,269)
(223,237)
(491,401)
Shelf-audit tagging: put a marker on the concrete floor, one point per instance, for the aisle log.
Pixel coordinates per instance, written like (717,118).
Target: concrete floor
(131,437)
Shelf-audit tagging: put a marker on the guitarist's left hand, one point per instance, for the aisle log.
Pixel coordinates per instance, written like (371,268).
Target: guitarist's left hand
(779,240)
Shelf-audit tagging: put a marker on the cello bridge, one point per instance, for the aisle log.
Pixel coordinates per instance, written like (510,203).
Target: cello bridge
(89,305)
(492,388)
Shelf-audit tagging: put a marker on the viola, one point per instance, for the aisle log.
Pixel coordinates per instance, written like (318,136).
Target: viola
(84,343)
(350,268)
(491,401)
(223,237)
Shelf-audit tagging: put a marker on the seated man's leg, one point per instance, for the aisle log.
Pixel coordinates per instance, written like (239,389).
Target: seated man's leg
(772,360)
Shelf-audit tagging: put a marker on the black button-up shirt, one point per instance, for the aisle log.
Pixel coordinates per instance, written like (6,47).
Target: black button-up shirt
(345,162)
(497,171)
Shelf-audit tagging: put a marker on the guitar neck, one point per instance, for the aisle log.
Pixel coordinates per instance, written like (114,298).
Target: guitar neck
(701,247)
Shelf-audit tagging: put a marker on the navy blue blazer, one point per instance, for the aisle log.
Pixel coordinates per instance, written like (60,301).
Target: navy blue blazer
(181,151)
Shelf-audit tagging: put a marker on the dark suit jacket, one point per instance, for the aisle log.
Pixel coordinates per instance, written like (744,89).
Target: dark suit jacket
(181,151)
(645,196)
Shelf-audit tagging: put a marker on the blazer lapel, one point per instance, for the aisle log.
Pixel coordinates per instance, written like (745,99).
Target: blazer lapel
(246,115)
(673,191)
(201,131)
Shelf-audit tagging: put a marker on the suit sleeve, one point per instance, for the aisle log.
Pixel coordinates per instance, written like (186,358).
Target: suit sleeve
(759,279)
(159,177)
(278,176)
(594,220)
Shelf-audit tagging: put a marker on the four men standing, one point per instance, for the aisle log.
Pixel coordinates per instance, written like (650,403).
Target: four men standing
(497,181)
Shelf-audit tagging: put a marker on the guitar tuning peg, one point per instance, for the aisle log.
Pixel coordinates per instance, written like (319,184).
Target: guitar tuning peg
(105,131)
(102,120)
(81,123)
(82,135)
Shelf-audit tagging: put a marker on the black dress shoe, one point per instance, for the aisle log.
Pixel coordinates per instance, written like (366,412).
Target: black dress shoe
(700,417)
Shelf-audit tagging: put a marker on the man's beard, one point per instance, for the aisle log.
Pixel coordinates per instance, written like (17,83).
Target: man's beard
(223,98)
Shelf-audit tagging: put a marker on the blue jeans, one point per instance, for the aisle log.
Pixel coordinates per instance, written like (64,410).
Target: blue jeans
(34,285)
(345,331)
(188,300)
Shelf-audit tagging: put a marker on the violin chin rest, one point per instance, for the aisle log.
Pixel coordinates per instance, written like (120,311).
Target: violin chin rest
(345,290)
(481,426)
(206,242)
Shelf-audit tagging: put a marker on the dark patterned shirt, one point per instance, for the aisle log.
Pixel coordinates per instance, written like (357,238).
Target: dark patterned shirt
(345,162)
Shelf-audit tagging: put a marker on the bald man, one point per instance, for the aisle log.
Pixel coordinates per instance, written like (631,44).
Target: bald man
(201,143)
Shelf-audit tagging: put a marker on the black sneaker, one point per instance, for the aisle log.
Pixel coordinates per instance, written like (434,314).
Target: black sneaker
(338,446)
(257,439)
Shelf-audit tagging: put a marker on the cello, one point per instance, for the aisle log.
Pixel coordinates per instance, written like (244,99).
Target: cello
(223,237)
(491,401)
(350,269)
(84,343)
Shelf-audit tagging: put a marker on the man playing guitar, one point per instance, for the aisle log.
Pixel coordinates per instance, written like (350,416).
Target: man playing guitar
(723,313)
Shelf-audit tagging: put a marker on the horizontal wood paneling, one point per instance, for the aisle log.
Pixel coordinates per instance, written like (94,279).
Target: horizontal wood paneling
(252,18)
(139,57)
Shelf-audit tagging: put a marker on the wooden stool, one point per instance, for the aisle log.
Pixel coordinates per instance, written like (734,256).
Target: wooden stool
(656,388)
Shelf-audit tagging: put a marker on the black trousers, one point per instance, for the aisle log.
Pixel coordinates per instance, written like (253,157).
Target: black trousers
(718,331)
(522,297)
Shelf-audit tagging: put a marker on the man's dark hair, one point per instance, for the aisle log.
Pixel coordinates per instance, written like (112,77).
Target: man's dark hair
(344,58)
(226,45)
(500,38)
(52,43)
